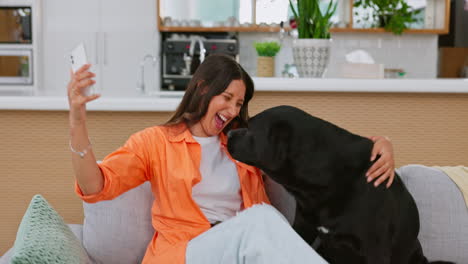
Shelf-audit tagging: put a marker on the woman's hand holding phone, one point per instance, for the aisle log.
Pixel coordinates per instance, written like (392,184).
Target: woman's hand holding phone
(80,84)
(80,81)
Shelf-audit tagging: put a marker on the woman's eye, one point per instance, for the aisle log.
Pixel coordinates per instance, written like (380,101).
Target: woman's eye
(239,105)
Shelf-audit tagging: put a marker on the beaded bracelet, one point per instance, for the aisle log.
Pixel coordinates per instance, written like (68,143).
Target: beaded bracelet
(81,153)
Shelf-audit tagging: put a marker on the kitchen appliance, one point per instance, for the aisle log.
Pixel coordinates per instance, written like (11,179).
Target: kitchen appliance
(15,24)
(182,55)
(16,66)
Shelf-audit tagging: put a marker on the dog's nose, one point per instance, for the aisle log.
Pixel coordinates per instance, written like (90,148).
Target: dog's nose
(229,134)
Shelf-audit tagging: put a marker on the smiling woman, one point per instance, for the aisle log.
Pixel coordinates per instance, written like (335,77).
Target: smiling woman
(221,111)
(217,95)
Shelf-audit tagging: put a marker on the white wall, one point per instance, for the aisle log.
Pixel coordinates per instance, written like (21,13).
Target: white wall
(415,53)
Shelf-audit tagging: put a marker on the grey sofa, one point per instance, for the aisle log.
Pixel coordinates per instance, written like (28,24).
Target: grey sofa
(118,231)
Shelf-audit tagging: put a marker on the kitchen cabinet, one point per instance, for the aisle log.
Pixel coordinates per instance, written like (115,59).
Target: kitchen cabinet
(117,35)
(20,58)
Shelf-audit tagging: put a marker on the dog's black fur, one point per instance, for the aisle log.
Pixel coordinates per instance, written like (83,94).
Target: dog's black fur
(323,167)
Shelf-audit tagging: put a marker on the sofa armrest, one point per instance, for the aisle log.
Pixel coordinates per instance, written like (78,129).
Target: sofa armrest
(77,229)
(280,199)
(442,213)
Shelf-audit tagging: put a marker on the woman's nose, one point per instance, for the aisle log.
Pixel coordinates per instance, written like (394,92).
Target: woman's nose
(233,110)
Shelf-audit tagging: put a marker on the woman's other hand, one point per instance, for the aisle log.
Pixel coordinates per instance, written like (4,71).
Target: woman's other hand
(384,168)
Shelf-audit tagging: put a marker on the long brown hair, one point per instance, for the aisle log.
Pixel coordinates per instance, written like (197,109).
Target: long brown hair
(212,78)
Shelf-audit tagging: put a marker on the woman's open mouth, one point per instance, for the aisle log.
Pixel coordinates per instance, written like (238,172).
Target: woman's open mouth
(220,120)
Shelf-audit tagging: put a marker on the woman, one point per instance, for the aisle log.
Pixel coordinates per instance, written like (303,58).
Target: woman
(195,182)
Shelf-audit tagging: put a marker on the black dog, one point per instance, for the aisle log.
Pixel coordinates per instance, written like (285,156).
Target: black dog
(323,167)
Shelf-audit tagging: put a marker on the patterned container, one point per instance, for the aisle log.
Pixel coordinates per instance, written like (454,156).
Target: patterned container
(311,56)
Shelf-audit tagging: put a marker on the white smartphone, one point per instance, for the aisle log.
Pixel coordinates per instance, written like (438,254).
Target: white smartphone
(78,59)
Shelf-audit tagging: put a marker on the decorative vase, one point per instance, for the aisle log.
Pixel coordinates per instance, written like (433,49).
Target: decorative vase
(265,66)
(311,56)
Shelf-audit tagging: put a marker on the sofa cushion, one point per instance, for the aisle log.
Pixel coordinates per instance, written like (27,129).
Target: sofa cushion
(119,231)
(280,198)
(442,213)
(43,237)
(76,229)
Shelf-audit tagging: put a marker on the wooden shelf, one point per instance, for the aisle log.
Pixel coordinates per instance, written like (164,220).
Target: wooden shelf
(219,29)
(277,29)
(382,30)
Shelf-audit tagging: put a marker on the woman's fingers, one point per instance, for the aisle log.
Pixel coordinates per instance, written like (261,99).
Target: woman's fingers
(392,177)
(377,169)
(386,175)
(84,75)
(83,99)
(91,97)
(383,167)
(83,68)
(78,89)
(381,170)
(80,80)
(81,73)
(371,172)
(85,83)
(375,151)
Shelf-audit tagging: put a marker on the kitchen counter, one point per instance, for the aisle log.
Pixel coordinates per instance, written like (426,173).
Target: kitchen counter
(168,101)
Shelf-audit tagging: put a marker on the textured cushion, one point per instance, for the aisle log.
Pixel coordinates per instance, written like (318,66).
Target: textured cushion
(76,229)
(119,231)
(442,212)
(43,237)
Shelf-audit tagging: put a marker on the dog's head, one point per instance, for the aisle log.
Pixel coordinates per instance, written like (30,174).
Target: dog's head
(294,147)
(264,144)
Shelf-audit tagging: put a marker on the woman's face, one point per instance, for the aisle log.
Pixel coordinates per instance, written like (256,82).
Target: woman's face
(223,108)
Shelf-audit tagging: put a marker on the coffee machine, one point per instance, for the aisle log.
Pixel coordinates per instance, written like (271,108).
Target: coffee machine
(182,54)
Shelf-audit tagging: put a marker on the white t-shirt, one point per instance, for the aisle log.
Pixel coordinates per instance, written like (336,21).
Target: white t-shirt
(218,192)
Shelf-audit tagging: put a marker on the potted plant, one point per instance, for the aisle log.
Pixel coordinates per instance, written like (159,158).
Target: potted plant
(266,57)
(393,15)
(311,50)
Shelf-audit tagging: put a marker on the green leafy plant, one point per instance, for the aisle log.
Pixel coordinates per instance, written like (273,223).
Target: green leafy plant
(393,15)
(267,49)
(311,21)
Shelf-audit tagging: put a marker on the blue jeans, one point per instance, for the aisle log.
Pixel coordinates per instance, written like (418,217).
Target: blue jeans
(257,235)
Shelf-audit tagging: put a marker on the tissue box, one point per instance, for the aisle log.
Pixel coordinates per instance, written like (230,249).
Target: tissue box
(362,70)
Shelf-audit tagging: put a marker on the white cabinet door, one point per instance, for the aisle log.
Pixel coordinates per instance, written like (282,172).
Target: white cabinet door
(65,24)
(71,15)
(117,35)
(129,32)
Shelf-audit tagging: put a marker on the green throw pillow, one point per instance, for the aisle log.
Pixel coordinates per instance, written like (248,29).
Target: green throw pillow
(43,237)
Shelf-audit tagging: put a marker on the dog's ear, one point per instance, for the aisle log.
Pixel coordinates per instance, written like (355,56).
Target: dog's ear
(279,135)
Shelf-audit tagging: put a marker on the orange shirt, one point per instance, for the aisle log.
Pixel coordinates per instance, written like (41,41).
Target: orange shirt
(169,158)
